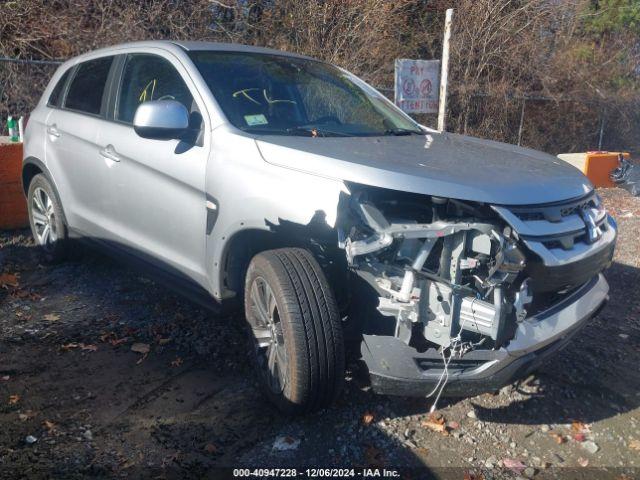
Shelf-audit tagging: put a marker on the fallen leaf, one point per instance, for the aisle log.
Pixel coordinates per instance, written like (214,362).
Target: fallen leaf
(558,438)
(52,317)
(143,348)
(579,427)
(367,418)
(69,346)
(435,426)
(23,317)
(113,339)
(177,362)
(49,425)
(516,466)
(436,423)
(13,399)
(105,337)
(26,415)
(583,462)
(210,448)
(634,445)
(5,378)
(8,280)
(127,464)
(88,348)
(22,294)
(579,437)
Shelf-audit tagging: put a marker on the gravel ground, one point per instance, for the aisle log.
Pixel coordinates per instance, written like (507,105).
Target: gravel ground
(104,373)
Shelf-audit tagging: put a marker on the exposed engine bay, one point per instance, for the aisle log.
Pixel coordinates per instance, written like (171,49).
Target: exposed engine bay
(448,272)
(463,289)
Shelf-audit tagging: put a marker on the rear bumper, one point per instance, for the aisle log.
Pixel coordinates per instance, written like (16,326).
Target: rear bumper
(397,369)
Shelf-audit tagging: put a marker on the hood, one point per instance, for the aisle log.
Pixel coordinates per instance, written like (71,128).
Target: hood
(440,164)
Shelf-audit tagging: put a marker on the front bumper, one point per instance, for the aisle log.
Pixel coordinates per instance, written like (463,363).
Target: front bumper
(397,369)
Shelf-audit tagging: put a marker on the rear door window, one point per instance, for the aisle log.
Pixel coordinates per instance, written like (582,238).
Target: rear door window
(88,86)
(56,95)
(146,78)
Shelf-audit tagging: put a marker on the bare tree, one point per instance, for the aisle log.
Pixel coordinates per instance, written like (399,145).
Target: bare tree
(502,50)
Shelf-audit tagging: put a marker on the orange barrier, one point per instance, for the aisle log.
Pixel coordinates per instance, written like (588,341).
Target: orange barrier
(595,165)
(13,206)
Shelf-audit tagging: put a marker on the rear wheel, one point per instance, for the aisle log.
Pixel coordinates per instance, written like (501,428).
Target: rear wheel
(296,332)
(46,217)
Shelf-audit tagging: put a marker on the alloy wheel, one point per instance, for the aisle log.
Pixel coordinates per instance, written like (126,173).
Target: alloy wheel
(268,337)
(44,219)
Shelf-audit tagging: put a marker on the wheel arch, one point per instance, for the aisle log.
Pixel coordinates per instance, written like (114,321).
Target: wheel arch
(238,251)
(244,244)
(32,166)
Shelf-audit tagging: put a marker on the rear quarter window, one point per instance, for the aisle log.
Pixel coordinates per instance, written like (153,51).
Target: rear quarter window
(56,95)
(88,85)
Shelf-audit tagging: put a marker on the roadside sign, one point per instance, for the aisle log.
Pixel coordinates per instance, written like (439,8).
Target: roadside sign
(417,85)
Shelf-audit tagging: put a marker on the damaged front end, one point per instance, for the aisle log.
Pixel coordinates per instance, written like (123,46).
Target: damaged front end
(451,280)
(446,270)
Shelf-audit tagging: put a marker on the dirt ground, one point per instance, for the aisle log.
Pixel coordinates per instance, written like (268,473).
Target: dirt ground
(104,373)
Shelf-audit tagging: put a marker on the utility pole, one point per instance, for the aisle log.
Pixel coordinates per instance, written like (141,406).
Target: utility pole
(601,130)
(444,70)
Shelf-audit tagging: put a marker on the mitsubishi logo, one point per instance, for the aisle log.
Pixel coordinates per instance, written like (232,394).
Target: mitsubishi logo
(589,218)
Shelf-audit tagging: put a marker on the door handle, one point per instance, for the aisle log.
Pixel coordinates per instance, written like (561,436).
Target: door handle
(53,130)
(110,152)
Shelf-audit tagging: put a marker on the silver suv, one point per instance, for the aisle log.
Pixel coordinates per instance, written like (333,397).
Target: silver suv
(291,187)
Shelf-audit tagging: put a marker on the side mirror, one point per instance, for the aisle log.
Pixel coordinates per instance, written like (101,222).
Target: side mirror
(161,119)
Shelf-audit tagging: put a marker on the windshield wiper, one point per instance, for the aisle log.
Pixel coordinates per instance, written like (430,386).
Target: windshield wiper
(401,131)
(316,131)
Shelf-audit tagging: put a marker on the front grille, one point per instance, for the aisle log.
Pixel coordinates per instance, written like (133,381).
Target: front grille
(555,212)
(568,242)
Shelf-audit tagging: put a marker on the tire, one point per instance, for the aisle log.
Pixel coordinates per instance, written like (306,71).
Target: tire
(300,317)
(46,218)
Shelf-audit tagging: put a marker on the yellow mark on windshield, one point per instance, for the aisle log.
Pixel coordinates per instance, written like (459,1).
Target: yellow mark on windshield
(271,101)
(245,93)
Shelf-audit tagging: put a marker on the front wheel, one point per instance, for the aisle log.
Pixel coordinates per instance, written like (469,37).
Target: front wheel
(296,332)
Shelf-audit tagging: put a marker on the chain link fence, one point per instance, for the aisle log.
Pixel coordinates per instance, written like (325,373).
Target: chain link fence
(544,123)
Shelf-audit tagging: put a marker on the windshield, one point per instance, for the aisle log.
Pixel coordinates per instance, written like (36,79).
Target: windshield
(281,95)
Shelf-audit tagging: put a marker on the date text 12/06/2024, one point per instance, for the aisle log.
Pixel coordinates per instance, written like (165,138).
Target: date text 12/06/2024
(316,472)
